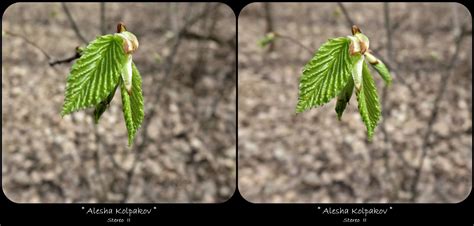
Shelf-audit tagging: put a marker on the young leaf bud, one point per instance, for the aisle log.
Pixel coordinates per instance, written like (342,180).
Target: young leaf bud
(130,42)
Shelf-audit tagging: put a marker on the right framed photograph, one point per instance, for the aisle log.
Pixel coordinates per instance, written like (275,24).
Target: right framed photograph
(355,102)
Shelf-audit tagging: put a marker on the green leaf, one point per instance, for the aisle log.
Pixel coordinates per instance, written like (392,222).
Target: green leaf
(344,97)
(383,72)
(103,105)
(95,74)
(380,67)
(369,105)
(133,104)
(325,75)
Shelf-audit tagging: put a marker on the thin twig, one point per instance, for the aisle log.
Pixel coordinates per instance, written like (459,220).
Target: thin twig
(294,41)
(73,23)
(346,14)
(456,134)
(383,100)
(102,192)
(388,28)
(227,75)
(209,37)
(29,43)
(66,60)
(178,36)
(103,29)
(434,113)
(148,116)
(269,23)
(51,62)
(197,69)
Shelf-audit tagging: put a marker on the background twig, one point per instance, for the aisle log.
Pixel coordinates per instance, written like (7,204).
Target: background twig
(29,43)
(434,113)
(149,115)
(346,14)
(73,23)
(387,145)
(269,23)
(103,28)
(294,41)
(65,60)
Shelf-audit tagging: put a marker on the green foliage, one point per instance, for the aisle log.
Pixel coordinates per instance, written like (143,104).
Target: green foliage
(357,62)
(133,105)
(343,98)
(369,105)
(380,68)
(383,72)
(95,74)
(325,75)
(338,67)
(104,65)
(103,105)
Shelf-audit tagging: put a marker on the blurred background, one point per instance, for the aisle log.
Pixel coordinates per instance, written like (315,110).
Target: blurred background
(421,151)
(185,149)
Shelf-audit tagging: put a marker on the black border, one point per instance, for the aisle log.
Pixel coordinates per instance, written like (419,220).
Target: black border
(236,208)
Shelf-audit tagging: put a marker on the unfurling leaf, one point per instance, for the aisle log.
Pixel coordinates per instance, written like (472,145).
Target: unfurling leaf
(133,111)
(95,74)
(368,102)
(380,67)
(103,105)
(344,97)
(383,72)
(325,75)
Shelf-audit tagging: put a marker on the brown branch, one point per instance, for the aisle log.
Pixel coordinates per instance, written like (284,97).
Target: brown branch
(65,60)
(51,62)
(210,37)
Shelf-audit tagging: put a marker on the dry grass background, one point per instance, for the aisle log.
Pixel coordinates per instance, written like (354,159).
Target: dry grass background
(188,152)
(311,157)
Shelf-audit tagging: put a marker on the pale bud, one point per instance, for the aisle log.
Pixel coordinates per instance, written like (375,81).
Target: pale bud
(130,42)
(130,45)
(359,43)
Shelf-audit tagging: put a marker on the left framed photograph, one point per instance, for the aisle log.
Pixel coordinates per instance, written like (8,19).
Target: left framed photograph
(118,103)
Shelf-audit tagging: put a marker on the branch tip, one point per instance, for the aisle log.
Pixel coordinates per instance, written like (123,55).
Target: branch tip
(355,30)
(121,27)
